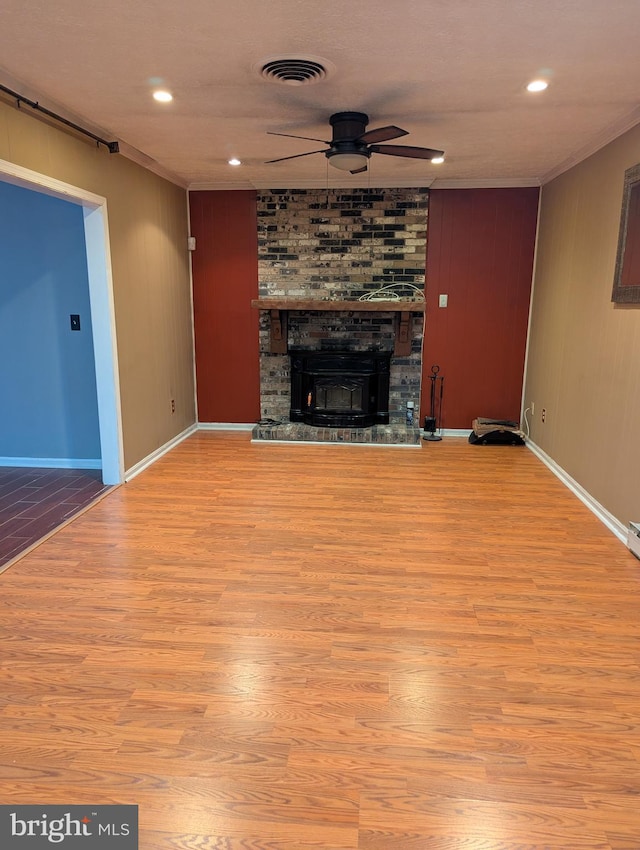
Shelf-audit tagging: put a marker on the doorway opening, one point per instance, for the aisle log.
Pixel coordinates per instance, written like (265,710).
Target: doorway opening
(94,208)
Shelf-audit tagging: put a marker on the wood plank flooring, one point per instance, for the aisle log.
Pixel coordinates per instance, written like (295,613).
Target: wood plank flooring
(274,647)
(35,501)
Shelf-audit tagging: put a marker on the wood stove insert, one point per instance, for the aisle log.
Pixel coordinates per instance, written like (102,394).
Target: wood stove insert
(340,389)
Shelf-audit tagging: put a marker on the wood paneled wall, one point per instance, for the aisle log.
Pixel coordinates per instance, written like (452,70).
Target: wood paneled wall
(480,252)
(480,246)
(584,355)
(225,279)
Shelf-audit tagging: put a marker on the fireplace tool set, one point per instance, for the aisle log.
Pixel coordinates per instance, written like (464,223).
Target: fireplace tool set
(433,422)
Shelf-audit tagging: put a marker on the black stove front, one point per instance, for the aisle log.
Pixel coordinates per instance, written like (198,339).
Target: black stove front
(340,389)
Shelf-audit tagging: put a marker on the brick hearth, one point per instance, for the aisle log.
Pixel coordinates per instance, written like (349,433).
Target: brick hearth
(377,434)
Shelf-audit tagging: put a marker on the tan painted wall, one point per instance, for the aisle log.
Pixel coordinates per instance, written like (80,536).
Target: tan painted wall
(584,351)
(152,293)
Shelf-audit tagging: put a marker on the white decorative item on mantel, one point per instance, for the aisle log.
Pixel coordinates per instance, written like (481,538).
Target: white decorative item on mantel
(390,292)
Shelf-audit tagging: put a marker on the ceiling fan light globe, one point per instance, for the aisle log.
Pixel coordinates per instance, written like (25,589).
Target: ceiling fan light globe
(348,161)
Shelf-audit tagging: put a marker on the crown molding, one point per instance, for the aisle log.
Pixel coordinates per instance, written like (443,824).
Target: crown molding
(311,184)
(209,186)
(340,182)
(597,142)
(150,164)
(486,183)
(436,183)
(126,150)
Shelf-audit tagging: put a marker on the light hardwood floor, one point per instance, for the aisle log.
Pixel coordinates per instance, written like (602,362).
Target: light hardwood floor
(273,647)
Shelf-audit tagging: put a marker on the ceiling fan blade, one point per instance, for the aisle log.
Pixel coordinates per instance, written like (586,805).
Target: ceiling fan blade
(407,150)
(358,170)
(382,134)
(308,138)
(295,156)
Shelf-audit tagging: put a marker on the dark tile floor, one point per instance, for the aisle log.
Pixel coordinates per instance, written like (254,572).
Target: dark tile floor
(35,501)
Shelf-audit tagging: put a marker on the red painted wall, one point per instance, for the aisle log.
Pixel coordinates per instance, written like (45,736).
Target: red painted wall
(480,245)
(225,279)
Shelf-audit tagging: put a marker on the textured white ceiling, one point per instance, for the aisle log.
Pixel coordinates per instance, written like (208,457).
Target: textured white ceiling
(451,72)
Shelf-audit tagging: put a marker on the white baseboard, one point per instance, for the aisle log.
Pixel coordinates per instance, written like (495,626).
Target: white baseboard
(53,462)
(614,525)
(226,426)
(454,432)
(137,468)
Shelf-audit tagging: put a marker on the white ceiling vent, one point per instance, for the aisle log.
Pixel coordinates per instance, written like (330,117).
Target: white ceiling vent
(294,70)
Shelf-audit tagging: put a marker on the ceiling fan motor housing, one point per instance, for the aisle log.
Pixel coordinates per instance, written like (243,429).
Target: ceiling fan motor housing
(348,126)
(345,144)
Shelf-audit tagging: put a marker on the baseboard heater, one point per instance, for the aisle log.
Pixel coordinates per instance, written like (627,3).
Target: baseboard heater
(633,538)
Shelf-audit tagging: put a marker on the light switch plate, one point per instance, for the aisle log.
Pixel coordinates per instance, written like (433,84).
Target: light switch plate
(443,301)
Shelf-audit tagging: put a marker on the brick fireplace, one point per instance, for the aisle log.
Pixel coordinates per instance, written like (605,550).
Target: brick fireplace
(319,251)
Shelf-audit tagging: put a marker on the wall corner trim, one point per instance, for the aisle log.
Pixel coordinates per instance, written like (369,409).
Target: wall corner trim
(614,525)
(139,467)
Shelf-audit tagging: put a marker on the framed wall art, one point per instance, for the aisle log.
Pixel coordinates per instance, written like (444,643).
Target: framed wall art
(626,282)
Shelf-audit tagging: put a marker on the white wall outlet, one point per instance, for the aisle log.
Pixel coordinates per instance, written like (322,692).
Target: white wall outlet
(443,300)
(533,408)
(191,243)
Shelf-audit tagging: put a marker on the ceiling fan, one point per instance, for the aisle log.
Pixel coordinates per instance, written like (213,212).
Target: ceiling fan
(351,144)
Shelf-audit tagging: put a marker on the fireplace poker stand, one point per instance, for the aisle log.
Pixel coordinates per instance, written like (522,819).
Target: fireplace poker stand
(433,422)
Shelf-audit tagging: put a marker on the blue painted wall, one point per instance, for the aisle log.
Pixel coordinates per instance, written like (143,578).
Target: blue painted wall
(48,401)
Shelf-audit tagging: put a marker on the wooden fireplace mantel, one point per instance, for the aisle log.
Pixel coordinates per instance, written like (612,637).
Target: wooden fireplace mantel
(279,309)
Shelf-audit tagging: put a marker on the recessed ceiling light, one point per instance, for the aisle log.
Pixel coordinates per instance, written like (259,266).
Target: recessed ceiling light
(537,85)
(235,161)
(437,160)
(162,96)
